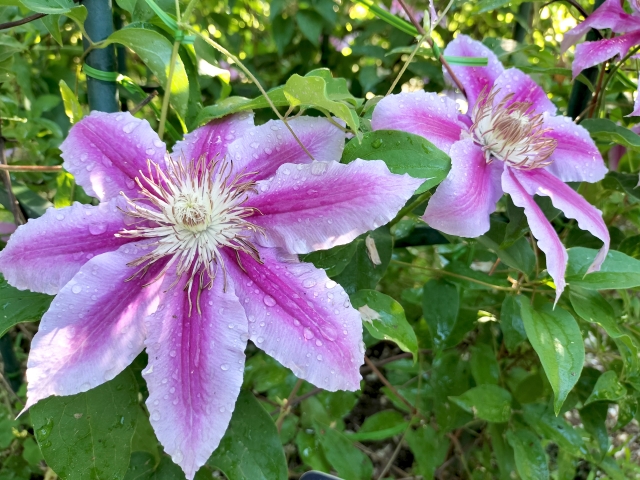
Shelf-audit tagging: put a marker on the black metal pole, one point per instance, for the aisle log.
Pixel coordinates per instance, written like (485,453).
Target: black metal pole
(580,93)
(102,95)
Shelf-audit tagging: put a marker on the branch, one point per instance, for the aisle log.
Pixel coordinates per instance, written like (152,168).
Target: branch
(22,21)
(444,62)
(30,168)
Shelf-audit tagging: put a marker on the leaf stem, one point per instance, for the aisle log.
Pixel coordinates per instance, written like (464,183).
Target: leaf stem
(410,208)
(167,89)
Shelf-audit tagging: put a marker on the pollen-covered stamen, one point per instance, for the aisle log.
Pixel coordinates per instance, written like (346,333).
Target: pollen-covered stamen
(509,132)
(192,211)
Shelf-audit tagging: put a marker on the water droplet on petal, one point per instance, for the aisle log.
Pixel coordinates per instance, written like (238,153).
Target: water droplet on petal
(308,334)
(308,282)
(269,301)
(224,366)
(97,228)
(76,289)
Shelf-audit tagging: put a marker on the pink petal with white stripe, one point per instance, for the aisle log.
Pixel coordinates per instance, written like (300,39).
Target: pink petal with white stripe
(548,240)
(589,54)
(263,149)
(514,82)
(320,205)
(422,113)
(106,151)
(473,79)
(576,157)
(563,197)
(213,139)
(196,363)
(465,199)
(94,327)
(46,252)
(610,15)
(301,318)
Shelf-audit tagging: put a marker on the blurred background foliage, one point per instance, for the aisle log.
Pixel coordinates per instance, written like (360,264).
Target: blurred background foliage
(477,402)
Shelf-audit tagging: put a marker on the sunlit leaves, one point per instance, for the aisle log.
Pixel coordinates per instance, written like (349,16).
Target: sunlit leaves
(617,271)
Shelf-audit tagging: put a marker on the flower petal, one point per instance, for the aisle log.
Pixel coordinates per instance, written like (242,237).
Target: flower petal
(636,106)
(465,199)
(94,327)
(263,149)
(46,252)
(524,89)
(610,15)
(106,151)
(573,205)
(548,240)
(214,138)
(320,205)
(422,113)
(589,54)
(301,318)
(576,157)
(474,79)
(196,363)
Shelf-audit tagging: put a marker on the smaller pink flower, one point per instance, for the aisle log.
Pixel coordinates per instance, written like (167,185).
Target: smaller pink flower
(610,15)
(511,141)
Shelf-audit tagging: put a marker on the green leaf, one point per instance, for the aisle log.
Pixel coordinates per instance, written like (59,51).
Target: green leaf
(608,131)
(630,246)
(488,5)
(593,418)
(487,402)
(250,449)
(52,24)
(556,429)
(65,186)
(72,107)
(20,306)
(128,5)
(440,304)
(369,262)
(88,435)
(403,153)
(312,92)
(429,449)
(502,451)
(484,365)
(518,254)
(337,88)
(49,6)
(531,461)
(618,270)
(511,322)
(594,308)
(155,51)
(239,104)
(384,318)
(334,260)
(380,426)
(607,389)
(9,46)
(556,338)
(310,24)
(449,377)
(311,452)
(623,182)
(282,29)
(347,460)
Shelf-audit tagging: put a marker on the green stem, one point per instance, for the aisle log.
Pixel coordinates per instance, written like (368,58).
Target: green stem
(167,89)
(613,72)
(406,64)
(409,208)
(237,61)
(188,10)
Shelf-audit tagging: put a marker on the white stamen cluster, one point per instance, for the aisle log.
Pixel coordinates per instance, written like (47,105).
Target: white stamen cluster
(509,132)
(192,210)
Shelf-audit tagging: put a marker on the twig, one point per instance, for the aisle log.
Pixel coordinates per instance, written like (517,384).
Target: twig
(22,21)
(443,61)
(30,168)
(396,470)
(286,406)
(394,454)
(14,206)
(386,382)
(144,102)
(300,399)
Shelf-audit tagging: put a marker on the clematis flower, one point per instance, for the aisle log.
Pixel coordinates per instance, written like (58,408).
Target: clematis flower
(510,142)
(191,255)
(609,15)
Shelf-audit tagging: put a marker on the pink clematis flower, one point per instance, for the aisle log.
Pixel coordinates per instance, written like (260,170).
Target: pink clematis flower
(609,15)
(191,255)
(511,142)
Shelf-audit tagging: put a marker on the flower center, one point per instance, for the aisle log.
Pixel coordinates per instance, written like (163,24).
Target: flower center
(192,210)
(509,132)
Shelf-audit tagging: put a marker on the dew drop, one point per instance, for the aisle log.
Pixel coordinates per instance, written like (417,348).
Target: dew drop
(59,216)
(319,357)
(224,367)
(76,289)
(97,228)
(308,282)
(260,340)
(308,334)
(269,301)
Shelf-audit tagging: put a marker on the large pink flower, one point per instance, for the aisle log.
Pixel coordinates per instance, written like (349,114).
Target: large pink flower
(191,255)
(511,142)
(610,15)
